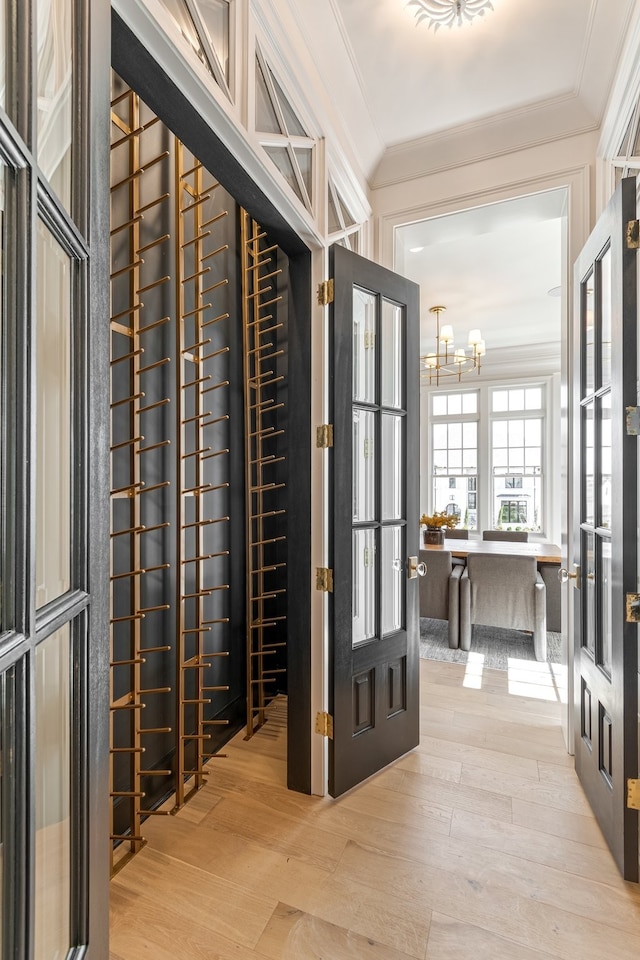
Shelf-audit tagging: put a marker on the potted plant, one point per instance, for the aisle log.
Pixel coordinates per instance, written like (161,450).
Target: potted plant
(435,525)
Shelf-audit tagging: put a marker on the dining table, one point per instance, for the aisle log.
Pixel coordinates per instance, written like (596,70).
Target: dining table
(547,555)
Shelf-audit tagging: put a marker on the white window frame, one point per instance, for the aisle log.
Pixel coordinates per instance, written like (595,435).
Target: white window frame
(484,418)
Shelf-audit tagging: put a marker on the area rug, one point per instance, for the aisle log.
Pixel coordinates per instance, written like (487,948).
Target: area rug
(496,645)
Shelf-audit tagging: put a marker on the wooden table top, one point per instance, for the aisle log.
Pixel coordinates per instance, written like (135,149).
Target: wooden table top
(543,552)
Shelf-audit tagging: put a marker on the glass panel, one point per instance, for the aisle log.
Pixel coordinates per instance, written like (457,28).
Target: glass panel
(588,592)
(605,291)
(588,466)
(53,806)
(364,586)
(55,106)
(516,399)
(439,405)
(624,146)
(293,126)
(266,118)
(215,16)
(500,401)
(282,160)
(53,421)
(3,56)
(185,25)
(605,604)
(533,398)
(605,461)
(470,402)
(346,216)
(364,346)
(588,336)
(304,156)
(454,404)
(334,224)
(364,476)
(391,472)
(391,386)
(392,579)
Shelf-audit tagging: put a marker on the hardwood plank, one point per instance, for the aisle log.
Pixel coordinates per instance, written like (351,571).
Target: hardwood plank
(558,823)
(451,939)
(485,800)
(567,797)
(294,935)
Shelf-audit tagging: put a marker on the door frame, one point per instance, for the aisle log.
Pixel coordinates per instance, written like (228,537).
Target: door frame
(492,189)
(143,58)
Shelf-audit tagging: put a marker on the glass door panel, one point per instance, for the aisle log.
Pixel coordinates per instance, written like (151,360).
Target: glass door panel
(605,319)
(392,578)
(605,606)
(391,473)
(364,346)
(55,101)
(364,476)
(391,355)
(589,513)
(605,461)
(53,423)
(589,335)
(53,802)
(364,586)
(589,593)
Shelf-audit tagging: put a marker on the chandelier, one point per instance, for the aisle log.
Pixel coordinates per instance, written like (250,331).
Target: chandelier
(447,12)
(447,361)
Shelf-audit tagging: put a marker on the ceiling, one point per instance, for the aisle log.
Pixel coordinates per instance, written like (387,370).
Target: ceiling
(493,268)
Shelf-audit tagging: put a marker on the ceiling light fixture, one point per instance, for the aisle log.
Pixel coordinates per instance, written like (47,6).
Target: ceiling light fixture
(447,361)
(444,13)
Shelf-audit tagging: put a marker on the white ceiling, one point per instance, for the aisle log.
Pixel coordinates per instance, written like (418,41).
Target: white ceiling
(418,81)
(493,268)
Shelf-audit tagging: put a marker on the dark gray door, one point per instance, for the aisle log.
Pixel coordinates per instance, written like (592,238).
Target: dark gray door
(374,628)
(605,522)
(54,707)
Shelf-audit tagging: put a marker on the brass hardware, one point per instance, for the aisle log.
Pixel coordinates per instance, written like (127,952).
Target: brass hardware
(324,579)
(633,234)
(633,608)
(564,576)
(632,420)
(415,569)
(324,436)
(326,292)
(633,794)
(324,724)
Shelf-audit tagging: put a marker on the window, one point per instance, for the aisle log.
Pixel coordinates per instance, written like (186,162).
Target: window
(516,456)
(204,24)
(342,227)
(487,450)
(283,135)
(455,456)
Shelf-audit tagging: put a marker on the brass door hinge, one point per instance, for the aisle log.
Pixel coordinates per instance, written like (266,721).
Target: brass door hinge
(633,234)
(632,421)
(633,794)
(324,435)
(325,293)
(324,724)
(324,579)
(633,608)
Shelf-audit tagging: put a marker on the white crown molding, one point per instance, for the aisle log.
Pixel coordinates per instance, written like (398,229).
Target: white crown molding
(560,118)
(624,91)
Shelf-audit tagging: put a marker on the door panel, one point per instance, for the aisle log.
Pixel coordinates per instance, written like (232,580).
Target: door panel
(605,508)
(374,663)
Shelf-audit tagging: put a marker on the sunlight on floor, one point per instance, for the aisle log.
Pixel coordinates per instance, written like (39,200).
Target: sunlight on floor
(473,671)
(537,680)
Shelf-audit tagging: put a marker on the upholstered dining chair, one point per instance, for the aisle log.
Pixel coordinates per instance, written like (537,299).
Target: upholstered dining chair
(503,591)
(440,591)
(456,534)
(516,536)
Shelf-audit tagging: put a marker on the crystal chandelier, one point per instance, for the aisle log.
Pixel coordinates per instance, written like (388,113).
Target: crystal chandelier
(447,12)
(447,361)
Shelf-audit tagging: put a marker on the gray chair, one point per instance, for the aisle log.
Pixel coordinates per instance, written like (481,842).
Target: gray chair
(456,534)
(516,536)
(503,591)
(439,591)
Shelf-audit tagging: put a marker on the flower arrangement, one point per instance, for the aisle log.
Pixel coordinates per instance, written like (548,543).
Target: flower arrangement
(436,521)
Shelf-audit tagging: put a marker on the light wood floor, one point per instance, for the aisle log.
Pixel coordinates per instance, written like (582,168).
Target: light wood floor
(478,845)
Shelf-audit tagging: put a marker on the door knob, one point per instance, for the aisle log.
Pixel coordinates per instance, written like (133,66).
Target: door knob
(416,569)
(564,576)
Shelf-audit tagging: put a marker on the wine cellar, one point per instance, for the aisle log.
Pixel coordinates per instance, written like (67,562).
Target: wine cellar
(199,471)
